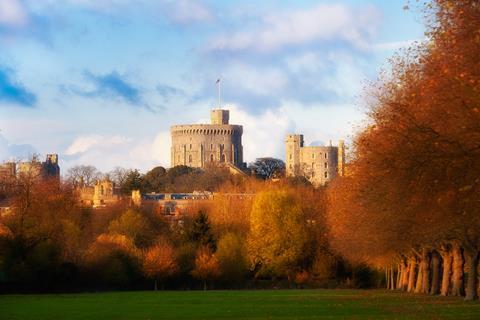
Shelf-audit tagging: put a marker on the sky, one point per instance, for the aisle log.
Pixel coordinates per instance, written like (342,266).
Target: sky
(101,82)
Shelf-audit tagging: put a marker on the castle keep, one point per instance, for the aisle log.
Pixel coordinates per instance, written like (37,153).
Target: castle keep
(200,145)
(318,164)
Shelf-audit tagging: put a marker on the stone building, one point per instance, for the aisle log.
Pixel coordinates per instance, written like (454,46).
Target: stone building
(200,145)
(42,170)
(319,164)
(102,194)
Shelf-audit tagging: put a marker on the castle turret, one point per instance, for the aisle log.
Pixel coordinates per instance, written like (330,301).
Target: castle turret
(294,143)
(219,116)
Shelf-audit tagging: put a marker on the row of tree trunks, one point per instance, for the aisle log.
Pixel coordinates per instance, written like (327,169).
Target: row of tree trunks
(390,278)
(438,272)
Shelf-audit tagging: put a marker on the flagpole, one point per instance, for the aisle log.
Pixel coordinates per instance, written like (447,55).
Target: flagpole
(219,88)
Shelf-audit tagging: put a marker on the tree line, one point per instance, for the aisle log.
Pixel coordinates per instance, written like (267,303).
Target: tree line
(273,235)
(410,201)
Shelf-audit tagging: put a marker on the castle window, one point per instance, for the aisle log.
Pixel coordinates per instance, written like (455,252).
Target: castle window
(313,155)
(223,157)
(211,158)
(290,156)
(190,146)
(211,147)
(326,165)
(326,174)
(325,156)
(190,158)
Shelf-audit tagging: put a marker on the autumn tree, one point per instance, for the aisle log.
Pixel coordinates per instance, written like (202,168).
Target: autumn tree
(412,181)
(135,226)
(159,262)
(232,257)
(207,267)
(277,241)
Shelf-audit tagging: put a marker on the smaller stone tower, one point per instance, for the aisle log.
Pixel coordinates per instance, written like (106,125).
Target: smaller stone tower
(319,164)
(219,116)
(294,144)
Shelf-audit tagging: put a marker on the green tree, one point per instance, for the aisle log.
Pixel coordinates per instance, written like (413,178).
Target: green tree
(134,226)
(232,256)
(155,180)
(200,231)
(277,241)
(133,181)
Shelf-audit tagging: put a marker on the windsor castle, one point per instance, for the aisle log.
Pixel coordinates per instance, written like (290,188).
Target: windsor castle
(220,143)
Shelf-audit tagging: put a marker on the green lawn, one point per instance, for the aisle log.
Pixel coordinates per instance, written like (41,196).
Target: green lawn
(267,304)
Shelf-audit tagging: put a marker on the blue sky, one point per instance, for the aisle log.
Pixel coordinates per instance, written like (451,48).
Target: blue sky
(101,82)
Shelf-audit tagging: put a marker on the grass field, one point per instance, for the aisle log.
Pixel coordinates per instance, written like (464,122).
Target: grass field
(267,304)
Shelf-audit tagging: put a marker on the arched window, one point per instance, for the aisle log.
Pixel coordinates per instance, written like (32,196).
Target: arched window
(223,157)
(190,158)
(211,158)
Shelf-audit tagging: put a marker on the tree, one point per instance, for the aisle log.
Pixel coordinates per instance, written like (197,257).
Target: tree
(412,184)
(200,233)
(268,168)
(159,262)
(135,226)
(232,257)
(206,266)
(154,180)
(277,241)
(83,175)
(133,181)
(119,176)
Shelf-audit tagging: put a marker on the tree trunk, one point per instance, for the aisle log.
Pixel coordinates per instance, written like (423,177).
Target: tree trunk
(392,278)
(400,271)
(155,285)
(458,287)
(418,284)
(426,257)
(411,275)
(204,285)
(472,280)
(435,289)
(447,258)
(406,272)
(387,279)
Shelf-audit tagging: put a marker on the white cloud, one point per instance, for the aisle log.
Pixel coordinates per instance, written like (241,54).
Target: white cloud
(10,151)
(263,135)
(256,80)
(186,11)
(13,13)
(85,143)
(107,152)
(177,11)
(324,22)
(393,45)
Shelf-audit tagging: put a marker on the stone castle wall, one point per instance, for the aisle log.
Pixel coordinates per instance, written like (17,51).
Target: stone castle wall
(199,145)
